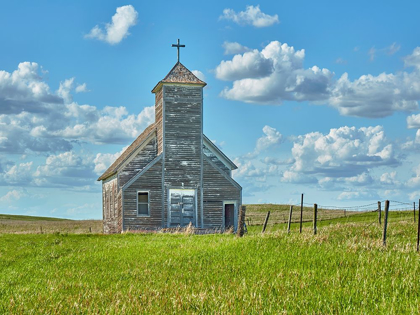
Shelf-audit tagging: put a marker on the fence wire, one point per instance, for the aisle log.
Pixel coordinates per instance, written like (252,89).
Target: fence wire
(279,214)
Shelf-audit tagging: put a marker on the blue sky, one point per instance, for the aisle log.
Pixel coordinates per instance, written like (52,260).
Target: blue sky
(319,98)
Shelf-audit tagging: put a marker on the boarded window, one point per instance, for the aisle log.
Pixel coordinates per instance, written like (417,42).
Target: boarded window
(142,203)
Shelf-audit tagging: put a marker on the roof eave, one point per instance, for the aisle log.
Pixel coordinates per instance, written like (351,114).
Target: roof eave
(158,86)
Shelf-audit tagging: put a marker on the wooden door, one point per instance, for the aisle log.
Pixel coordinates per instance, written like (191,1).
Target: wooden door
(229,215)
(181,207)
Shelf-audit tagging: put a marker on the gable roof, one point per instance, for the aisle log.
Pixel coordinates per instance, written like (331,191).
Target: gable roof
(126,154)
(220,155)
(179,74)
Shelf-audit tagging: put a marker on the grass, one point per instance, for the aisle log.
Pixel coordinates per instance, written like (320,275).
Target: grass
(344,269)
(19,224)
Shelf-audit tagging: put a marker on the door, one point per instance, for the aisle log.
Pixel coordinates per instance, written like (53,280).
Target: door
(229,215)
(182,205)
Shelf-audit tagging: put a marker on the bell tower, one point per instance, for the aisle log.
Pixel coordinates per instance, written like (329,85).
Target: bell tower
(179,125)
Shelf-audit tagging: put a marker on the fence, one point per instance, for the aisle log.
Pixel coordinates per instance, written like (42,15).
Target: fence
(381,212)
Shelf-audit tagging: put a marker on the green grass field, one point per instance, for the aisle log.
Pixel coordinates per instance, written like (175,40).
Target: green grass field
(344,269)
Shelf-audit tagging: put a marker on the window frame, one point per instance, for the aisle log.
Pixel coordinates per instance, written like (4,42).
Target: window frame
(148,203)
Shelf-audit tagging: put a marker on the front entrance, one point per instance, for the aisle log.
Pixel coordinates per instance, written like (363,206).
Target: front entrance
(182,205)
(229,215)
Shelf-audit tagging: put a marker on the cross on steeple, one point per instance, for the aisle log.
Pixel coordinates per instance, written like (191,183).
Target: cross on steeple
(178,46)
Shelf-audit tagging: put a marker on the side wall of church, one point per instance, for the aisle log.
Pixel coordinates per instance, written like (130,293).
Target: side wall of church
(216,189)
(111,206)
(151,182)
(139,162)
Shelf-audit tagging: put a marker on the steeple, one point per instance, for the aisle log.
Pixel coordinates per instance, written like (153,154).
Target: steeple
(179,74)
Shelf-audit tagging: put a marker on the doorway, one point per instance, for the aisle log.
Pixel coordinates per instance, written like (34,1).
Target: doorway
(182,206)
(229,215)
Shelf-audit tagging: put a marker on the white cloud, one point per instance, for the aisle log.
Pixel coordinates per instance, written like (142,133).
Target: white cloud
(104,160)
(117,30)
(233,48)
(273,75)
(415,180)
(356,195)
(413,121)
(271,138)
(345,152)
(252,64)
(251,16)
(199,75)
(16,174)
(413,60)
(371,53)
(393,48)
(276,74)
(341,61)
(24,90)
(65,169)
(80,88)
(12,195)
(34,119)
(64,90)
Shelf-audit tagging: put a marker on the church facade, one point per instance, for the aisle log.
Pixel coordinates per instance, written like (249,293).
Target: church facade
(172,174)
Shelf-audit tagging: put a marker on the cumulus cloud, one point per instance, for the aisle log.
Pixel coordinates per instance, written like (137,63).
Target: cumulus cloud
(271,138)
(104,160)
(251,16)
(34,119)
(251,64)
(117,30)
(276,74)
(199,75)
(345,152)
(65,169)
(25,90)
(414,181)
(357,195)
(413,121)
(16,174)
(233,48)
(80,88)
(12,195)
(273,75)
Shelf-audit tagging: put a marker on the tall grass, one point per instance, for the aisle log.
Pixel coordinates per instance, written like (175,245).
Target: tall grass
(344,269)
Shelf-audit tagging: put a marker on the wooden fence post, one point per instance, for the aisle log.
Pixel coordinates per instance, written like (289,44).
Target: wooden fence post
(241,221)
(418,229)
(40,228)
(379,213)
(301,213)
(290,219)
(315,214)
(265,222)
(385,221)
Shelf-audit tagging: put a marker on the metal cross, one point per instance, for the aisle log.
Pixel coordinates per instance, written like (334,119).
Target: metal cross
(178,46)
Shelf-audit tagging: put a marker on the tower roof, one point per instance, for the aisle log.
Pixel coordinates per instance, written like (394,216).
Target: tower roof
(179,74)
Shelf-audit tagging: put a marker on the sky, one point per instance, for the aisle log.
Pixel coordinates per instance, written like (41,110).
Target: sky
(313,97)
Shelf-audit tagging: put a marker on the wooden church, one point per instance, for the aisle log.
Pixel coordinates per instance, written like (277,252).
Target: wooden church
(172,174)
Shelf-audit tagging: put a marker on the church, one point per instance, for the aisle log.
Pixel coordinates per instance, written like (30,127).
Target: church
(172,175)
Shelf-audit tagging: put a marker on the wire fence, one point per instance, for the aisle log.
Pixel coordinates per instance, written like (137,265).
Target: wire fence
(279,214)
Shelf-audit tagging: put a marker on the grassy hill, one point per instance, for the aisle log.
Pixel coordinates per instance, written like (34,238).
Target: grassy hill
(344,269)
(23,224)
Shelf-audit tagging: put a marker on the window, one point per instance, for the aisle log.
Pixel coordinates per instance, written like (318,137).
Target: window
(142,203)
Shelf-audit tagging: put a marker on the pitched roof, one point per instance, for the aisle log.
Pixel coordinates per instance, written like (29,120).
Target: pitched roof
(124,156)
(225,160)
(179,74)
